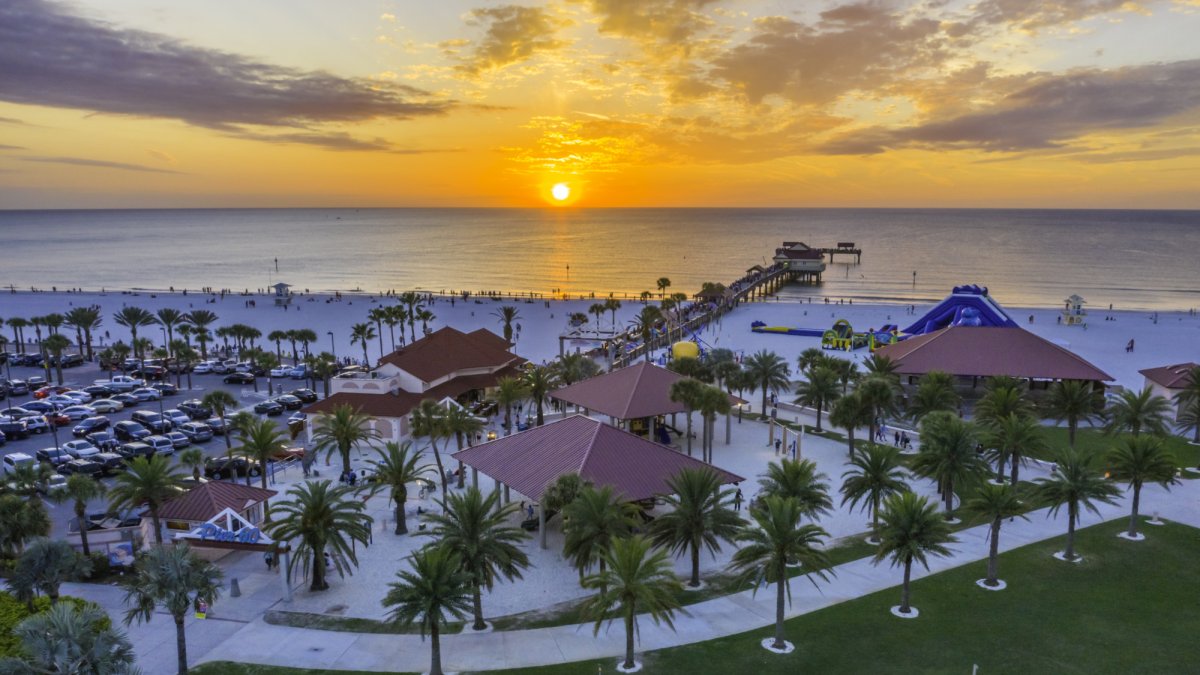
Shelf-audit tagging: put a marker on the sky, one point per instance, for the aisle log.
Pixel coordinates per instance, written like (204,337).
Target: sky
(732,103)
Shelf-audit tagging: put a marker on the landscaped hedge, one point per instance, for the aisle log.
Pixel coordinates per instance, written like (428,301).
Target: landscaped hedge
(13,612)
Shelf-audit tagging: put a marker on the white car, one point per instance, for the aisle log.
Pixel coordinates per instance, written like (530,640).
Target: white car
(78,412)
(80,449)
(81,396)
(59,401)
(177,417)
(161,444)
(203,367)
(146,394)
(281,371)
(107,406)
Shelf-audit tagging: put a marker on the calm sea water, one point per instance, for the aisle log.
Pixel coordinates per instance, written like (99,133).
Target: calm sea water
(1133,259)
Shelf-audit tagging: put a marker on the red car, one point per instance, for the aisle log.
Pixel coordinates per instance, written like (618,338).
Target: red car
(59,420)
(50,390)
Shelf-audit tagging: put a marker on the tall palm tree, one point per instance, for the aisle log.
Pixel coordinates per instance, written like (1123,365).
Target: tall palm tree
(435,589)
(1011,439)
(461,424)
(320,517)
(881,395)
(995,503)
(151,481)
(425,316)
(847,372)
(260,440)
(1074,483)
(56,345)
(342,430)
(911,531)
(277,336)
(539,382)
(775,540)
(395,316)
(1072,401)
(644,325)
(713,401)
(362,333)
(1187,402)
(597,310)
(413,302)
(636,578)
(84,320)
(663,284)
(324,367)
(18,324)
(507,316)
(1136,412)
(1003,398)
(71,639)
(177,580)
(575,367)
(169,318)
(305,336)
(850,412)
(948,455)
(44,566)
(881,365)
(591,521)
(1137,461)
(875,475)
(394,470)
(509,390)
(812,357)
(687,392)
(134,318)
(699,518)
(612,305)
(201,319)
(222,403)
(185,358)
(21,520)
(429,420)
(819,391)
(378,315)
(934,392)
(473,527)
(798,480)
(80,490)
(192,458)
(770,371)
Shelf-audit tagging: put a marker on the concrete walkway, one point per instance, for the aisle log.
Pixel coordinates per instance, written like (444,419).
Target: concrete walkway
(262,643)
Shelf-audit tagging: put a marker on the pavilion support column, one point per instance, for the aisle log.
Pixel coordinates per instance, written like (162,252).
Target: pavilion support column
(784,438)
(771,432)
(728,430)
(475,478)
(507,498)
(651,427)
(541,525)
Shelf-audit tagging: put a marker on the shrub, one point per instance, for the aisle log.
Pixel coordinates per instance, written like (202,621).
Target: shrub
(13,612)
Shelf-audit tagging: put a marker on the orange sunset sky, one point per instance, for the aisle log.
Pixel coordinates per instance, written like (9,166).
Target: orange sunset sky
(989,103)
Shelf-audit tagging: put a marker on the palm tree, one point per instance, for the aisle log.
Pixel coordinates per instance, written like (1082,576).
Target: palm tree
(934,392)
(379,315)
(168,318)
(847,372)
(412,301)
(875,475)
(776,540)
(509,390)
(700,516)
(880,394)
(597,310)
(687,392)
(644,324)
(911,531)
(575,367)
(260,440)
(151,481)
(429,420)
(221,402)
(305,336)
(185,358)
(395,316)
(770,371)
(425,316)
(636,579)
(591,521)
(1002,399)
(948,455)
(1012,438)
(994,503)
(663,284)
(436,587)
(277,336)
(362,333)
(21,520)
(71,639)
(812,357)
(201,319)
(563,491)
(56,344)
(44,566)
(820,391)
(460,423)
(881,365)
(1136,412)
(1187,402)
(320,517)
(798,480)
(340,431)
(80,490)
(192,458)
(612,305)
(713,401)
(324,367)
(177,580)
(394,470)
(18,324)
(1139,460)
(1072,401)
(84,319)
(134,318)
(472,527)
(539,382)
(1074,484)
(507,315)
(850,412)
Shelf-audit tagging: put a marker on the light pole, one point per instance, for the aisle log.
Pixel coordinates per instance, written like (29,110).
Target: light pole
(332,349)
(53,422)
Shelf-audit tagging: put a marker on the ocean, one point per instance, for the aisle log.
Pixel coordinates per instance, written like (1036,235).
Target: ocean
(1131,259)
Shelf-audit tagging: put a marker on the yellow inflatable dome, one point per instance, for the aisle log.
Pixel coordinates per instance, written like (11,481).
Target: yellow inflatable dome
(685,350)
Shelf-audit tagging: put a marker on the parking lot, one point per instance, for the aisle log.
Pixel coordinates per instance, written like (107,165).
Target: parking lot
(83,376)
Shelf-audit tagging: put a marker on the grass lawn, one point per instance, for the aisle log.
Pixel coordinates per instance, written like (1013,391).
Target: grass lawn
(1123,610)
(1186,454)
(231,668)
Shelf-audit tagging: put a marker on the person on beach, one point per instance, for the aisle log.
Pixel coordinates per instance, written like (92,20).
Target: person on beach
(1129,347)
(737,500)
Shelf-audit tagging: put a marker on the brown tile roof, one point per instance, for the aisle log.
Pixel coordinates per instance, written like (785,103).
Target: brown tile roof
(640,390)
(208,499)
(1171,377)
(446,350)
(400,403)
(983,351)
(603,454)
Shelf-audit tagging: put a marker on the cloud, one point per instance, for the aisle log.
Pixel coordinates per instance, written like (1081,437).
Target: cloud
(338,141)
(99,164)
(652,21)
(161,155)
(10,147)
(1031,15)
(1049,111)
(51,58)
(514,34)
(11,120)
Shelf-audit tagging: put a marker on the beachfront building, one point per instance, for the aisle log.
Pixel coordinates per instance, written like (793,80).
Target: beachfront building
(205,502)
(1167,381)
(531,461)
(447,363)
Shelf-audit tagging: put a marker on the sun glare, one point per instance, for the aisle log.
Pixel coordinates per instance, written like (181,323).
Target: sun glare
(561,191)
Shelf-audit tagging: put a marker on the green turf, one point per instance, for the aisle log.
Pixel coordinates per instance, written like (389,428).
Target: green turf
(1125,609)
(1095,440)
(231,668)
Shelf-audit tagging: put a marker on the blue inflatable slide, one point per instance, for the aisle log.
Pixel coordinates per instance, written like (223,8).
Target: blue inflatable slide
(966,306)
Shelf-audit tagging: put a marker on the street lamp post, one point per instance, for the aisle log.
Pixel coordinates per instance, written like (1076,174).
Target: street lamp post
(332,349)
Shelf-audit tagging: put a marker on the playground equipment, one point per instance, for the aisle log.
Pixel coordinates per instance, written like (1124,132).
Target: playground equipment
(685,350)
(965,306)
(889,334)
(1073,313)
(843,337)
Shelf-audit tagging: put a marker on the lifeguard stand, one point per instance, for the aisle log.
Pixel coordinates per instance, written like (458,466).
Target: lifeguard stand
(1073,313)
(283,296)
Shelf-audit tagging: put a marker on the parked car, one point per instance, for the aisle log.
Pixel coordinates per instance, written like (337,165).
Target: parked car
(53,456)
(177,417)
(150,372)
(196,432)
(298,372)
(84,466)
(121,383)
(105,440)
(38,424)
(218,426)
(129,430)
(146,394)
(48,391)
(165,388)
(99,391)
(306,395)
(161,444)
(14,428)
(268,407)
(131,451)
(78,412)
(72,360)
(238,378)
(159,424)
(90,424)
(18,413)
(59,401)
(229,467)
(203,368)
(110,462)
(126,400)
(289,402)
(81,396)
(300,418)
(16,459)
(53,482)
(18,387)
(36,381)
(39,407)
(281,371)
(107,406)
(178,439)
(195,409)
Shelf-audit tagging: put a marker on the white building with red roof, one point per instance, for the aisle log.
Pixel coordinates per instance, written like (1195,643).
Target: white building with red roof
(1167,381)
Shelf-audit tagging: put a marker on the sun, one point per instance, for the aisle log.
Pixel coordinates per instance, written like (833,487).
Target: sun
(561,192)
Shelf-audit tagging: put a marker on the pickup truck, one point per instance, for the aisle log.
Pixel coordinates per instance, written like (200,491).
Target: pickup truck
(121,383)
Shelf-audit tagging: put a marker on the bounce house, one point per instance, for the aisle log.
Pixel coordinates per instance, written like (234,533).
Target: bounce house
(843,337)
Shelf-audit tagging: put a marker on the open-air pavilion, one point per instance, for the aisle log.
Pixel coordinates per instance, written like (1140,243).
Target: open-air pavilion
(601,454)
